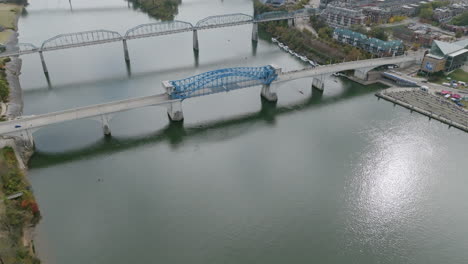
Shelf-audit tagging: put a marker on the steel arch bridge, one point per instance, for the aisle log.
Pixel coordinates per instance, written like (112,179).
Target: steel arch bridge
(280,15)
(79,39)
(222,80)
(20,49)
(157,29)
(224,21)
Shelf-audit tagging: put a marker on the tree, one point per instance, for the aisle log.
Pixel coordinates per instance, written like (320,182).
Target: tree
(458,34)
(325,32)
(379,33)
(461,20)
(426,12)
(354,54)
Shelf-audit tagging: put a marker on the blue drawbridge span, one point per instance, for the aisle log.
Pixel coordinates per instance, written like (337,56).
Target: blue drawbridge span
(221,80)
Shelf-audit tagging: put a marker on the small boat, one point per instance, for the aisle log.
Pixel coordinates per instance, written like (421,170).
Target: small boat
(286,48)
(274,40)
(281,45)
(312,63)
(297,55)
(291,52)
(305,59)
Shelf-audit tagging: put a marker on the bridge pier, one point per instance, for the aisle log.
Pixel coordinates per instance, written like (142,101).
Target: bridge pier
(174,111)
(105,125)
(291,22)
(125,47)
(44,66)
(268,93)
(361,74)
(255,32)
(195,40)
(318,82)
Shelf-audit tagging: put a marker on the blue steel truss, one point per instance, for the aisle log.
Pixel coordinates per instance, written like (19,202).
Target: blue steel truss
(222,80)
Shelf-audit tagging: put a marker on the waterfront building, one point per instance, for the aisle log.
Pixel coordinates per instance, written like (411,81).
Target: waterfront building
(372,45)
(341,15)
(445,56)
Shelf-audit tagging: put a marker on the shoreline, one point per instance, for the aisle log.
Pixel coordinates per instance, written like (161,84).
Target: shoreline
(22,153)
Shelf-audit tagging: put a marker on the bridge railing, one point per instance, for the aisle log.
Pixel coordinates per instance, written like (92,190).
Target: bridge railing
(224,20)
(157,29)
(278,15)
(79,39)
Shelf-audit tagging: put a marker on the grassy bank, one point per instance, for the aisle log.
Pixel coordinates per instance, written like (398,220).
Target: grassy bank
(8,14)
(16,215)
(159,9)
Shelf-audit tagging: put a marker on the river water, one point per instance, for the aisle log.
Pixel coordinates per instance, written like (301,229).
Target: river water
(338,177)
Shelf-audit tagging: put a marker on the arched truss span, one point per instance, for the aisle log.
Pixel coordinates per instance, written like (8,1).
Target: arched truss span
(80,39)
(156,29)
(222,80)
(224,21)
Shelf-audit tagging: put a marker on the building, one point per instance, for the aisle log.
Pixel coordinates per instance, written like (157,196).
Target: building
(372,45)
(445,56)
(376,14)
(273,2)
(341,15)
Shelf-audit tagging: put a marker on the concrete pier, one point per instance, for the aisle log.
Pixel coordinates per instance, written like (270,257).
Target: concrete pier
(125,47)
(105,125)
(254,32)
(318,83)
(44,66)
(291,22)
(268,93)
(195,40)
(174,111)
(361,74)
(428,105)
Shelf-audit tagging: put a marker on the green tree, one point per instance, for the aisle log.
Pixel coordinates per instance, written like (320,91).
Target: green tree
(461,20)
(426,12)
(379,33)
(325,32)
(458,34)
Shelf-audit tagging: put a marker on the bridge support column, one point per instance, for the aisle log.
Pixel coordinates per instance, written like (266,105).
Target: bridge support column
(318,83)
(105,125)
(26,137)
(290,22)
(195,40)
(361,74)
(125,47)
(174,111)
(44,66)
(268,93)
(254,32)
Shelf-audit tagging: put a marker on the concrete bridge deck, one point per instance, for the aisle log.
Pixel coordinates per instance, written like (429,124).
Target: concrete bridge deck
(24,127)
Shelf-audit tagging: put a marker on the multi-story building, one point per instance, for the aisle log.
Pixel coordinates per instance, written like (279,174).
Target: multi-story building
(445,56)
(342,15)
(372,45)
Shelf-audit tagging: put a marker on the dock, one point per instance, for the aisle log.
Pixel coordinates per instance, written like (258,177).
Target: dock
(429,105)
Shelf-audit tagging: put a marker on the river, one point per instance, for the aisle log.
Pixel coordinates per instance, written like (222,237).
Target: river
(338,177)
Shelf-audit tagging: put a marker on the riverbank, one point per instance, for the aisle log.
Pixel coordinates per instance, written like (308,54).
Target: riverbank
(310,37)
(19,212)
(428,105)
